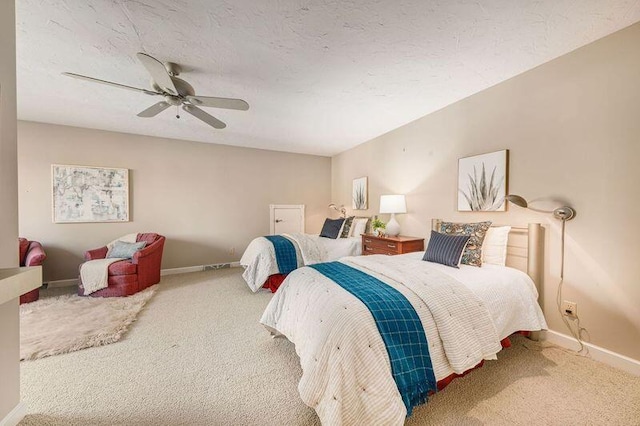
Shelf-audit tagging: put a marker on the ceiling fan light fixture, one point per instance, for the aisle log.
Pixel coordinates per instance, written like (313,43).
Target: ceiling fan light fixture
(173,100)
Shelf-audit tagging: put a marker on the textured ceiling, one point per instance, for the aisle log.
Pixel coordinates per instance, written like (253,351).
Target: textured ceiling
(320,76)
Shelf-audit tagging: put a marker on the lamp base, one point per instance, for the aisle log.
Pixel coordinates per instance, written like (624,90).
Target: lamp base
(393,227)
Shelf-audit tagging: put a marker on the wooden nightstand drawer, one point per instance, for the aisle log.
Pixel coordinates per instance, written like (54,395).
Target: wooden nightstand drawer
(377,250)
(380,244)
(372,244)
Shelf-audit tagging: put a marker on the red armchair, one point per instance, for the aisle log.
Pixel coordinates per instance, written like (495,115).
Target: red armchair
(31,254)
(127,277)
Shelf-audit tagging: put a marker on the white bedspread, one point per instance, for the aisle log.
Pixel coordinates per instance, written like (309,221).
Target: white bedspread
(346,370)
(310,248)
(259,259)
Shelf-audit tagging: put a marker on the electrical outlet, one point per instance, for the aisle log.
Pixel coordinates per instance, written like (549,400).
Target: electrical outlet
(569,309)
(232,251)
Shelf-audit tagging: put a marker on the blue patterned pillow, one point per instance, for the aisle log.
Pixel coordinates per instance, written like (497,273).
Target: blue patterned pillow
(346,227)
(331,228)
(476,231)
(445,249)
(123,250)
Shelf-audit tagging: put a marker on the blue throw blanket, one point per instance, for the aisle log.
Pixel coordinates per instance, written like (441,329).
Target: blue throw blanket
(400,328)
(285,253)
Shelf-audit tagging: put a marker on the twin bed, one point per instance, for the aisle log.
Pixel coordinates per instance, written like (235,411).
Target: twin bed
(354,372)
(261,267)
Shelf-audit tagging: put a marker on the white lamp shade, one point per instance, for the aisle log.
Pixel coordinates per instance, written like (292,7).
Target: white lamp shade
(393,204)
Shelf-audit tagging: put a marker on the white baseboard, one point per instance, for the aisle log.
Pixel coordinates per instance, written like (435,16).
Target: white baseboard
(184,270)
(62,283)
(198,268)
(15,416)
(168,271)
(597,353)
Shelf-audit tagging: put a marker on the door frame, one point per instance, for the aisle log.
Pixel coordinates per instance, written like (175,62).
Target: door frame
(272,218)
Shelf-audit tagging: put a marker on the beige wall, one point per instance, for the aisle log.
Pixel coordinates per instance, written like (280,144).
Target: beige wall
(8,173)
(208,200)
(573,130)
(9,322)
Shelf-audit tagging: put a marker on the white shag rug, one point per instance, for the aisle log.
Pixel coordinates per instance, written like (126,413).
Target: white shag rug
(68,323)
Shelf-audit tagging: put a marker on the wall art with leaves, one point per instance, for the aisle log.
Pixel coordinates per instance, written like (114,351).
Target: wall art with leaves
(482,182)
(360,199)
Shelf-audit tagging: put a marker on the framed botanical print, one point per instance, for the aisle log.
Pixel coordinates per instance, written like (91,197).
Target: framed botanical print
(482,182)
(359,195)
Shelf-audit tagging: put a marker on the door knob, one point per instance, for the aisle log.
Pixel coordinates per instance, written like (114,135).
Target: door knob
(278,220)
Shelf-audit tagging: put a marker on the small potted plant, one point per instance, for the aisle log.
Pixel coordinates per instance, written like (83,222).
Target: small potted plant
(378,227)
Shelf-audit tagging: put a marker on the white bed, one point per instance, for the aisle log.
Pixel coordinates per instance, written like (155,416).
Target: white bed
(259,259)
(346,369)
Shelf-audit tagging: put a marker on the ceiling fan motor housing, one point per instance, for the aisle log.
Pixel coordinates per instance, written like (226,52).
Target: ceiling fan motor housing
(184,89)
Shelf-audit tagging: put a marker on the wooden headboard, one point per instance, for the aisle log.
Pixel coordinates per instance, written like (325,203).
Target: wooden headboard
(524,249)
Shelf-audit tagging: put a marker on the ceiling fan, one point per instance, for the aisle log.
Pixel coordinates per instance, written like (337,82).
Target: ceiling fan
(175,91)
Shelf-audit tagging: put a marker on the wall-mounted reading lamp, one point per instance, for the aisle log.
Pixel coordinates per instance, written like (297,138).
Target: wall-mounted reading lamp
(564,214)
(341,209)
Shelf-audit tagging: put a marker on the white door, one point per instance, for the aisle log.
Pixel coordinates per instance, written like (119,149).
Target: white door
(286,218)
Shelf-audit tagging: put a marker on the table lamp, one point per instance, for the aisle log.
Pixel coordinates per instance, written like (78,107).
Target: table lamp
(392,204)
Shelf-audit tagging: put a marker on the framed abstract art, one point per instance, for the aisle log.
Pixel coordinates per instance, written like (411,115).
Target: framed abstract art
(89,194)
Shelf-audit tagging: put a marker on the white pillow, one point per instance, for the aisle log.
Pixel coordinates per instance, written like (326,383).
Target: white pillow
(359,226)
(494,247)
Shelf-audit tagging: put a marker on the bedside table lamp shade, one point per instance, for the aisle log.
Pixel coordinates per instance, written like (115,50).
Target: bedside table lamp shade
(393,204)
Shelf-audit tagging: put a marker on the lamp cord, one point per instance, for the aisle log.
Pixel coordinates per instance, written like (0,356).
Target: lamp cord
(577,334)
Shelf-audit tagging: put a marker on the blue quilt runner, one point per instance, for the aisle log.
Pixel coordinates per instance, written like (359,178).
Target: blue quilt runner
(285,253)
(400,328)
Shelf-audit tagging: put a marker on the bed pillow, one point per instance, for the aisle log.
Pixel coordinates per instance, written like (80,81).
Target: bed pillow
(331,228)
(346,227)
(124,250)
(472,254)
(494,247)
(359,226)
(445,249)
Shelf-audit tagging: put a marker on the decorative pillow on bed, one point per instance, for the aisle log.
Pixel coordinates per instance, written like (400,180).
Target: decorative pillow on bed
(346,227)
(494,247)
(331,228)
(445,249)
(359,226)
(472,254)
(121,249)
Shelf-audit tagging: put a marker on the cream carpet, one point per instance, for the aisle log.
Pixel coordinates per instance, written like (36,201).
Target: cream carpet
(197,356)
(67,323)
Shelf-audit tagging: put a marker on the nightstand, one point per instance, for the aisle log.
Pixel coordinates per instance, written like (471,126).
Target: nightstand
(372,244)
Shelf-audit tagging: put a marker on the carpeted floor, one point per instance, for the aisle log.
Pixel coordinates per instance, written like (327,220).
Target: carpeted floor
(197,356)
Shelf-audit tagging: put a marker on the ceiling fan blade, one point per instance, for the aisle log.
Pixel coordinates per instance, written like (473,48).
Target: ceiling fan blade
(227,103)
(209,119)
(158,72)
(154,109)
(110,83)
